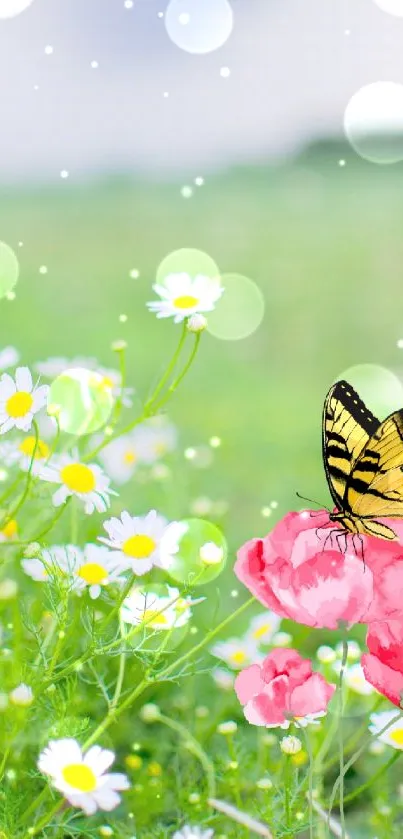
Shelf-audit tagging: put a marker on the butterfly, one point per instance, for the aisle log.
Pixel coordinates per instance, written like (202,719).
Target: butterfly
(363,460)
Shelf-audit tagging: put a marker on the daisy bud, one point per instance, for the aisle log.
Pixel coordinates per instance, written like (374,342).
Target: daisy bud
(8,589)
(197,323)
(211,554)
(105,830)
(226,728)
(22,696)
(150,712)
(119,346)
(326,655)
(194,798)
(32,550)
(290,745)
(264,783)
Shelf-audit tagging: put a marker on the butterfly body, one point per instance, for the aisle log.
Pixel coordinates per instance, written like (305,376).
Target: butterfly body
(363,461)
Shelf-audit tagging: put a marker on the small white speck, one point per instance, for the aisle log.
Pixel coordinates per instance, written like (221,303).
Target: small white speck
(190,453)
(94,65)
(123,318)
(199,181)
(48,50)
(186,192)
(274,505)
(20,244)
(342,163)
(166,94)
(128,4)
(10,295)
(184,19)
(134,274)
(215,442)
(43,269)
(36,87)
(400,343)
(225,72)
(266,512)
(160,14)
(234,593)
(64,174)
(347,31)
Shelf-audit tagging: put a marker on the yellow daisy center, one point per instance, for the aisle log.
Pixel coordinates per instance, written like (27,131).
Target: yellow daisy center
(80,777)
(27,447)
(397,736)
(78,477)
(19,404)
(129,457)
(93,573)
(186,301)
(107,383)
(259,633)
(140,546)
(238,657)
(153,618)
(10,529)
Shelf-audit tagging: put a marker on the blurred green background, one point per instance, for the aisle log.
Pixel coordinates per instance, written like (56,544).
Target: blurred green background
(323,242)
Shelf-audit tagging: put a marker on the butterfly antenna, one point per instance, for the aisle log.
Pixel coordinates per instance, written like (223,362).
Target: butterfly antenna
(311,501)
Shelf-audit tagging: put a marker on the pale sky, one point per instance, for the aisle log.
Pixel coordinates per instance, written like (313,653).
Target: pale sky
(292,67)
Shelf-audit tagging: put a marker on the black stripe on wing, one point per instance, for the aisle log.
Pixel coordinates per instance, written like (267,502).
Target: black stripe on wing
(347,427)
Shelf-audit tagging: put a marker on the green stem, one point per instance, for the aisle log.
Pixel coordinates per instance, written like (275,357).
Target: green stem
(358,754)
(24,495)
(193,746)
(287,797)
(175,384)
(349,744)
(373,779)
(341,739)
(149,408)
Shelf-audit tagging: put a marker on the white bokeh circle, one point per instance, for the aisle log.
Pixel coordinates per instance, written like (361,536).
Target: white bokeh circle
(199,26)
(373,122)
(392,7)
(378,387)
(240,310)
(12,8)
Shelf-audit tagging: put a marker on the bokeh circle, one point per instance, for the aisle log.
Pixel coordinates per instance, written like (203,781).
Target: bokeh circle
(240,310)
(9,269)
(194,551)
(199,26)
(392,7)
(187,261)
(373,122)
(378,387)
(81,400)
(12,8)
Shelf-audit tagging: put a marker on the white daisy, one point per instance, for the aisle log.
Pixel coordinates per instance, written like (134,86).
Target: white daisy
(20,400)
(223,678)
(188,832)
(9,357)
(393,736)
(354,678)
(262,627)
(82,778)
(9,531)
(24,454)
(183,295)
(94,567)
(159,611)
(87,481)
(237,652)
(113,380)
(136,539)
(54,367)
(143,446)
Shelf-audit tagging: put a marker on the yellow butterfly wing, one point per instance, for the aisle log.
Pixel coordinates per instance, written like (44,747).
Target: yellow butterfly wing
(348,425)
(375,486)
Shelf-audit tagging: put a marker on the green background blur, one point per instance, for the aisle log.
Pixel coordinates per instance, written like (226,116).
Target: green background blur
(323,242)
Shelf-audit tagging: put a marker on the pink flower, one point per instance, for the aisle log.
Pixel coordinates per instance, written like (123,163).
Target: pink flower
(303,572)
(383,664)
(283,687)
(386,564)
